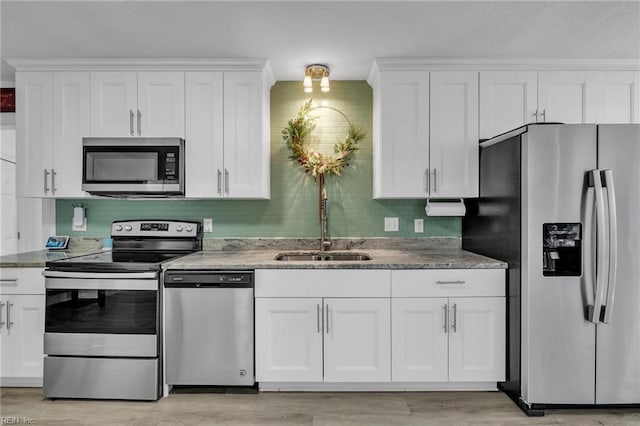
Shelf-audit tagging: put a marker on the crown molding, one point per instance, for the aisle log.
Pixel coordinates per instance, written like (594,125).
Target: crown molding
(127,64)
(495,64)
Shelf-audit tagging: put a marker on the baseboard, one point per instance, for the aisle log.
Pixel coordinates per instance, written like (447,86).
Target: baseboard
(21,382)
(375,387)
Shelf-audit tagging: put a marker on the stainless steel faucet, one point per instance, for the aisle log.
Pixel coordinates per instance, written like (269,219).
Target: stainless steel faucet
(325,241)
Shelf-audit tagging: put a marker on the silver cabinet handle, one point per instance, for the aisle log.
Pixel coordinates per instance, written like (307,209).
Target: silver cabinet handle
(426,181)
(226,181)
(139,123)
(53,181)
(327,306)
(318,317)
(435,177)
(9,322)
(219,182)
(131,122)
(454,325)
(535,114)
(451,282)
(46,179)
(544,115)
(446,318)
(1,322)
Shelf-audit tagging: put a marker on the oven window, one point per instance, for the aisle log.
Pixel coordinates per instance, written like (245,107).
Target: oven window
(101,311)
(121,166)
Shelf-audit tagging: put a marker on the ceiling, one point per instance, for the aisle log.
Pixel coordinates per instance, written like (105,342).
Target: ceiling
(345,35)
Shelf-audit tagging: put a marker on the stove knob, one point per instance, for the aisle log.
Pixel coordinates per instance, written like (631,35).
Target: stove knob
(128,228)
(179,228)
(189,229)
(118,227)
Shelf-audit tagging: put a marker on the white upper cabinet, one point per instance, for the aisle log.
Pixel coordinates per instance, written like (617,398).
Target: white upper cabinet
(227,146)
(137,104)
(425,134)
(508,99)
(51,120)
(246,140)
(618,96)
(401,135)
(566,97)
(453,142)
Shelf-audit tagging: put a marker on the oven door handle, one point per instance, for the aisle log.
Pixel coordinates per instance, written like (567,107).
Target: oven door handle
(99,284)
(101,275)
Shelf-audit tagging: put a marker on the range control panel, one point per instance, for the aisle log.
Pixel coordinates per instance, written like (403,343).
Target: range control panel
(146,228)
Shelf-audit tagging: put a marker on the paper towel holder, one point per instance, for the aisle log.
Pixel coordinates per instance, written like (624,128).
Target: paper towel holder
(445,207)
(79,221)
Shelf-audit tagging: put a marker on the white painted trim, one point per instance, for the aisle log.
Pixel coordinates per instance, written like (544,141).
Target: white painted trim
(375,387)
(483,64)
(125,64)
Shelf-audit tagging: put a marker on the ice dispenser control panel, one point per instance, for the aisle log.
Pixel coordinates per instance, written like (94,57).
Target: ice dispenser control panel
(562,249)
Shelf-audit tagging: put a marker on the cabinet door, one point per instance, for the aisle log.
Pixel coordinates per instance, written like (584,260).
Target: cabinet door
(289,340)
(618,94)
(246,149)
(566,97)
(204,165)
(357,343)
(9,212)
(477,339)
(508,99)
(401,148)
(71,121)
(33,133)
(419,340)
(23,338)
(454,149)
(113,103)
(160,104)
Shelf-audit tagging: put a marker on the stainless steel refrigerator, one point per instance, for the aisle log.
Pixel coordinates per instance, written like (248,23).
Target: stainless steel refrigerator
(561,204)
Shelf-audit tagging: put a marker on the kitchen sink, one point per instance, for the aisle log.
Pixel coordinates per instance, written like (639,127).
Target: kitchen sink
(322,257)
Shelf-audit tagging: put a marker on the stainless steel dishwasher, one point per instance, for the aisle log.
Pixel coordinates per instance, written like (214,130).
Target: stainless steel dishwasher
(209,328)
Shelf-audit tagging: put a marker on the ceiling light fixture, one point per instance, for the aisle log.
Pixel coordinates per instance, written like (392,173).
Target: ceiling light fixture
(316,72)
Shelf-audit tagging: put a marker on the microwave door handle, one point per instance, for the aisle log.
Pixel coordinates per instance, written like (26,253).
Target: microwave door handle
(613,244)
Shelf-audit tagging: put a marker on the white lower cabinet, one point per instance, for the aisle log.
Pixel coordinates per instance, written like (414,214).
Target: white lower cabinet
(21,326)
(297,339)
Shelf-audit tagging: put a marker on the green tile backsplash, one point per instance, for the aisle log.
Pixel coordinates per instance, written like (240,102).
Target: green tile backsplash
(292,209)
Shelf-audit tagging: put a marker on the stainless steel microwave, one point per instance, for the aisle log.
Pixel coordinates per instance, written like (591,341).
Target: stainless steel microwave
(133,166)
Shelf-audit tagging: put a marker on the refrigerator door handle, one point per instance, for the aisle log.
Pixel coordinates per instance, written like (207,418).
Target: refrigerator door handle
(613,244)
(601,247)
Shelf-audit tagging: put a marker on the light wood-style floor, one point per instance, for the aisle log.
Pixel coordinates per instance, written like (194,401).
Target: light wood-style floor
(370,409)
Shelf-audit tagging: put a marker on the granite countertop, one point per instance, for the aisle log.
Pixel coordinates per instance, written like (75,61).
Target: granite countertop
(380,259)
(38,258)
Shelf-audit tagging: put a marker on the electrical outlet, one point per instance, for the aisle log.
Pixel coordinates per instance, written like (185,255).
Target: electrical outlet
(391,224)
(207,225)
(418,225)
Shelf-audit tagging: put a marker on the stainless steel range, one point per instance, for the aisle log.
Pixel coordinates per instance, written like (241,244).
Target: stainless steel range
(103,318)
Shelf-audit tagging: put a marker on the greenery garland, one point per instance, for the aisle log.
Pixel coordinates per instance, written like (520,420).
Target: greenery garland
(313,162)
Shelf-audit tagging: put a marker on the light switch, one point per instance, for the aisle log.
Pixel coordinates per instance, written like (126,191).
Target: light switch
(207,224)
(418,225)
(391,224)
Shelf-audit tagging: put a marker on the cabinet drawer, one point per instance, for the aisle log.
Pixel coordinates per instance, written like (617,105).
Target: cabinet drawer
(322,283)
(448,283)
(21,281)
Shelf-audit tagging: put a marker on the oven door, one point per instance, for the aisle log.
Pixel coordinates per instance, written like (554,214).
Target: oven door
(101,314)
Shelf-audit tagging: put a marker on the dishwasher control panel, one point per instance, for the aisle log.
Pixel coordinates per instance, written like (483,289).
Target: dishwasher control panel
(220,279)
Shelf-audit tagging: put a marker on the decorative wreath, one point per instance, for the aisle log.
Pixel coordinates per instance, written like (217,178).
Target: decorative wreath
(313,162)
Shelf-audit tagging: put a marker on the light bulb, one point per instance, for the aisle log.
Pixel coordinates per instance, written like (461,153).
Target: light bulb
(324,84)
(307,84)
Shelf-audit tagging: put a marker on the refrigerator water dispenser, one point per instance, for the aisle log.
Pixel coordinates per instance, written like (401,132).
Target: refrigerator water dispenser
(562,249)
